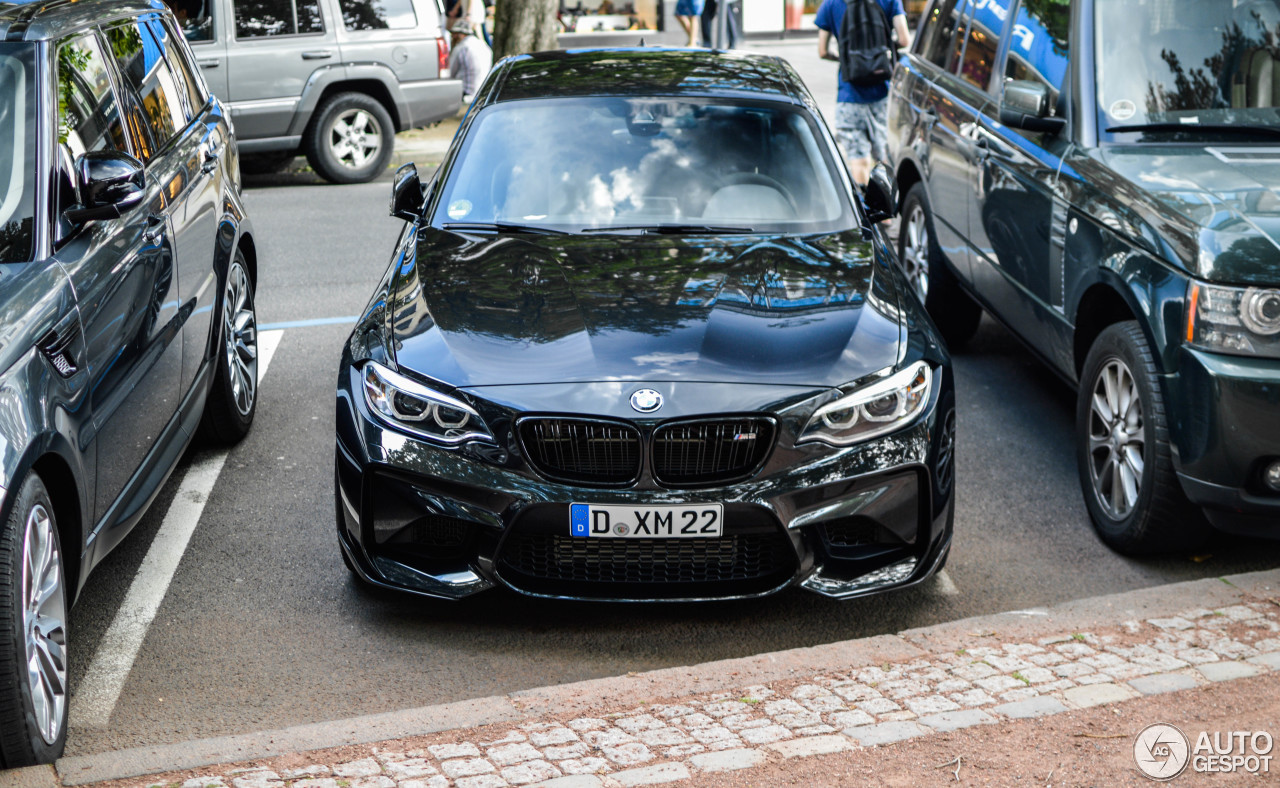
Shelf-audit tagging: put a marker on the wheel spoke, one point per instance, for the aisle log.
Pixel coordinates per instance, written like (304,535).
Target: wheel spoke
(1102,410)
(1117,489)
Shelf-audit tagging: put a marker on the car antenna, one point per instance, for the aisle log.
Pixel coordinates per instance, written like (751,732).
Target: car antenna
(641,41)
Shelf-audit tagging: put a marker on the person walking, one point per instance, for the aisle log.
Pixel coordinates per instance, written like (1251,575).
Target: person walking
(469,59)
(688,14)
(861,110)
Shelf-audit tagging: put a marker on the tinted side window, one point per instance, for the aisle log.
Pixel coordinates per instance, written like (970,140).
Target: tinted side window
(377,14)
(148,74)
(987,20)
(88,114)
(1039,46)
(265,18)
(183,69)
(947,14)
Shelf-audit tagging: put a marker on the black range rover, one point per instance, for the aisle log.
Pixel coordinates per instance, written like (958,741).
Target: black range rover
(127,321)
(1104,178)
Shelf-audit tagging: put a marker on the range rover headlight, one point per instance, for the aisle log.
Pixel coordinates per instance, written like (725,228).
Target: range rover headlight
(412,407)
(887,405)
(1236,320)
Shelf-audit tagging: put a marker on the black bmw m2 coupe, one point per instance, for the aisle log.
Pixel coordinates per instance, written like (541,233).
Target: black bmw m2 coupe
(641,340)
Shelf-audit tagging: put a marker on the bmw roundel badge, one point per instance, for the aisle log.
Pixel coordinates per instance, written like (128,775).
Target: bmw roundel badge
(646,400)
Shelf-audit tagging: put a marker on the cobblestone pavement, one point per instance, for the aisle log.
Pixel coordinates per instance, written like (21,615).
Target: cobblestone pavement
(980,683)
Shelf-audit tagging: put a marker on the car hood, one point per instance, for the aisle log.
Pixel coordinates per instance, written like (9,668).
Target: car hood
(479,310)
(1218,207)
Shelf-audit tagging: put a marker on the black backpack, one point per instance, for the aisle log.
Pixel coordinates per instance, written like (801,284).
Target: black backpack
(866,56)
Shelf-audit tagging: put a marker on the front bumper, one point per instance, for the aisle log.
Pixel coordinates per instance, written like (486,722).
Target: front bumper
(449,523)
(1225,422)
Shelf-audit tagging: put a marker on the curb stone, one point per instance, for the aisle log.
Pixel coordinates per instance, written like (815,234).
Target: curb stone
(736,714)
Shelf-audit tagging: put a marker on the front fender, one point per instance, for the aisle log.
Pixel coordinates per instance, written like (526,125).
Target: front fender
(327,76)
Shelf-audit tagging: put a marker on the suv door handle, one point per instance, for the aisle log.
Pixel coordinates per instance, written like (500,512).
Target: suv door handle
(317,54)
(210,158)
(155,228)
(209,63)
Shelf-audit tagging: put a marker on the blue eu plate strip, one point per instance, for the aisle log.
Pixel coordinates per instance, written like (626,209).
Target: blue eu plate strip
(578,520)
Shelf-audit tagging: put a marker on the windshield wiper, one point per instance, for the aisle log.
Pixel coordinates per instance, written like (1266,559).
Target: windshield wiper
(673,229)
(1212,128)
(503,227)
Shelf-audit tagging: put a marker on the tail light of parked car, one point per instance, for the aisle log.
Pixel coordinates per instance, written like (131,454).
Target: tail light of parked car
(442,55)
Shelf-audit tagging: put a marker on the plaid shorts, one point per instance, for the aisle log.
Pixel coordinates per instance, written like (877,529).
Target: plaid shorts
(862,129)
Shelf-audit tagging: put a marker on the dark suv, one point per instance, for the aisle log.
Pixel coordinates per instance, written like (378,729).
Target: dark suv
(126,295)
(1102,178)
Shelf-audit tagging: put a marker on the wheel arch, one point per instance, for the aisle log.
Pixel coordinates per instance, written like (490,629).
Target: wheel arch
(48,457)
(373,88)
(66,498)
(1100,306)
(908,175)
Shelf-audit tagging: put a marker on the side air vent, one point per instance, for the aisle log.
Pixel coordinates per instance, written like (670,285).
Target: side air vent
(56,346)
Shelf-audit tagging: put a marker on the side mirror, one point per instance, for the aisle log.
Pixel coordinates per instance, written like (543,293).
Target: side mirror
(881,195)
(110,182)
(407,199)
(1026,106)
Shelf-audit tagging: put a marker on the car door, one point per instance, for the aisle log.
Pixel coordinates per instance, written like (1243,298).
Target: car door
(194,187)
(122,269)
(275,47)
(950,115)
(1018,223)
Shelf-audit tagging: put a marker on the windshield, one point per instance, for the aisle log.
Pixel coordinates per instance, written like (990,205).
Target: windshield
(1188,62)
(628,163)
(17,153)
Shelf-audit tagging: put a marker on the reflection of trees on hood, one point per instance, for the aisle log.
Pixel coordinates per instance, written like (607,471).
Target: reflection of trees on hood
(1242,261)
(544,291)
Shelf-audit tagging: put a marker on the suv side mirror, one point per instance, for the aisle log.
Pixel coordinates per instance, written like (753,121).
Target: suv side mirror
(110,183)
(407,198)
(1026,106)
(880,195)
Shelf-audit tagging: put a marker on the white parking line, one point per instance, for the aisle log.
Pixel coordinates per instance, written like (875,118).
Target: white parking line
(945,585)
(96,697)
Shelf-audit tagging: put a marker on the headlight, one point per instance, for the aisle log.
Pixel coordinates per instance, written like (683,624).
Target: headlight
(873,410)
(412,407)
(1236,320)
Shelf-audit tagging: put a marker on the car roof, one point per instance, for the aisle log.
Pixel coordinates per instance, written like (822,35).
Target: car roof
(647,71)
(39,20)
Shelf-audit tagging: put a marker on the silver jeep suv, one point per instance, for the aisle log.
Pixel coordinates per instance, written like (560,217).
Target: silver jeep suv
(334,79)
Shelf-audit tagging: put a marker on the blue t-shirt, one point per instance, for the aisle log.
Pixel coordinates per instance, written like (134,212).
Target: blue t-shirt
(830,17)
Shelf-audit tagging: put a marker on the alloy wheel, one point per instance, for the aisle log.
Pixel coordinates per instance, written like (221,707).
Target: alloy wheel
(44,614)
(915,250)
(355,138)
(240,333)
(1116,440)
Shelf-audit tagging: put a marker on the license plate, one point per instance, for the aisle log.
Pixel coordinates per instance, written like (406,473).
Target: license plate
(691,521)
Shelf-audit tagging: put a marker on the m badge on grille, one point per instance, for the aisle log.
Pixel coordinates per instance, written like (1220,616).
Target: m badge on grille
(646,400)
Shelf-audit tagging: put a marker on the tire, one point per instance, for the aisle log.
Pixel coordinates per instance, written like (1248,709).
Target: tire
(952,309)
(339,150)
(1122,450)
(228,413)
(265,163)
(33,631)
